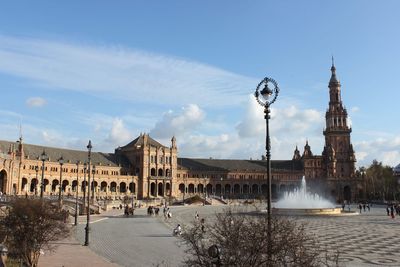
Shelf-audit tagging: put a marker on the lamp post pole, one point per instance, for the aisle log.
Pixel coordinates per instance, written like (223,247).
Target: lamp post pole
(265,98)
(184,191)
(84,188)
(43,158)
(93,184)
(36,170)
(61,161)
(132,191)
(221,188)
(77,192)
(89,147)
(205,190)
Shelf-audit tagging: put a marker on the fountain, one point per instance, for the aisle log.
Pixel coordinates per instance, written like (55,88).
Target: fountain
(301,202)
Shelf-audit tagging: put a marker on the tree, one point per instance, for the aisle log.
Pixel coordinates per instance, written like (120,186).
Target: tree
(31,225)
(242,241)
(380,181)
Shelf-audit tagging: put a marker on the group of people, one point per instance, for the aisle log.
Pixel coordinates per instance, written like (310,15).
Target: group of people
(364,206)
(152,210)
(167,213)
(129,211)
(392,210)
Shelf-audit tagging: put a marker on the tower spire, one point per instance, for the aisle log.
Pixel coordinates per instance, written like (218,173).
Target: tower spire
(333,79)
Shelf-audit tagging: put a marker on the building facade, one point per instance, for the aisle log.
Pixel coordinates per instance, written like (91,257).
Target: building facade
(146,169)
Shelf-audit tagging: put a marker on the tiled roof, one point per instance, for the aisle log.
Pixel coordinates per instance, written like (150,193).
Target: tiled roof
(69,155)
(139,141)
(238,165)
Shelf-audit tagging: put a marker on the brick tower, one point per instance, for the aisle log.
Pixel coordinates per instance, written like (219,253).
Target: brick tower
(338,154)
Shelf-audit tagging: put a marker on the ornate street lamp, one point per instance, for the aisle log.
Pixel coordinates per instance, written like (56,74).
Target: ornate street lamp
(77,192)
(61,161)
(265,98)
(43,158)
(89,147)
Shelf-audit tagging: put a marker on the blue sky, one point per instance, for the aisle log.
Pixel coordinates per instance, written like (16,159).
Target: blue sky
(107,71)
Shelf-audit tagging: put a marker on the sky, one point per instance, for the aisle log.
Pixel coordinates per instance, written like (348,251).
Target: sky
(107,71)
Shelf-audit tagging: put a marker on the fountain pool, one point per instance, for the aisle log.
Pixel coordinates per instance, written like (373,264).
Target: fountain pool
(301,202)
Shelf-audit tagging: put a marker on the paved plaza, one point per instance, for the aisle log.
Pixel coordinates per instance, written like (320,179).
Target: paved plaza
(369,239)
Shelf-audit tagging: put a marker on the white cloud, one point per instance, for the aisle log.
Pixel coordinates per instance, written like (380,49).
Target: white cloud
(118,134)
(188,120)
(286,121)
(386,150)
(119,72)
(36,102)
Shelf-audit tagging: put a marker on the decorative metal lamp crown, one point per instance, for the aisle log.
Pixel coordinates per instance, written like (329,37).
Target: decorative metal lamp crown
(266,96)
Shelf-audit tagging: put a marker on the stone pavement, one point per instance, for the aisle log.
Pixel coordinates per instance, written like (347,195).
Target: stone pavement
(369,239)
(71,253)
(141,240)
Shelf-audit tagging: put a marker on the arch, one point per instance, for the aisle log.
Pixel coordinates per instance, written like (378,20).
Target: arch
(274,191)
(153,172)
(84,185)
(103,186)
(3,181)
(122,187)
(160,189)
(227,189)
(113,187)
(167,188)
(74,185)
(347,193)
(33,187)
(160,172)
(246,189)
(137,171)
(132,187)
(46,182)
(236,189)
(167,172)
(209,189)
(218,189)
(191,189)
(264,189)
(153,189)
(181,188)
(282,188)
(200,188)
(24,182)
(54,185)
(254,189)
(65,183)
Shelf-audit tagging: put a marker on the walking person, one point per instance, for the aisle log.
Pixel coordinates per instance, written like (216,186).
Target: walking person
(360,207)
(392,211)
